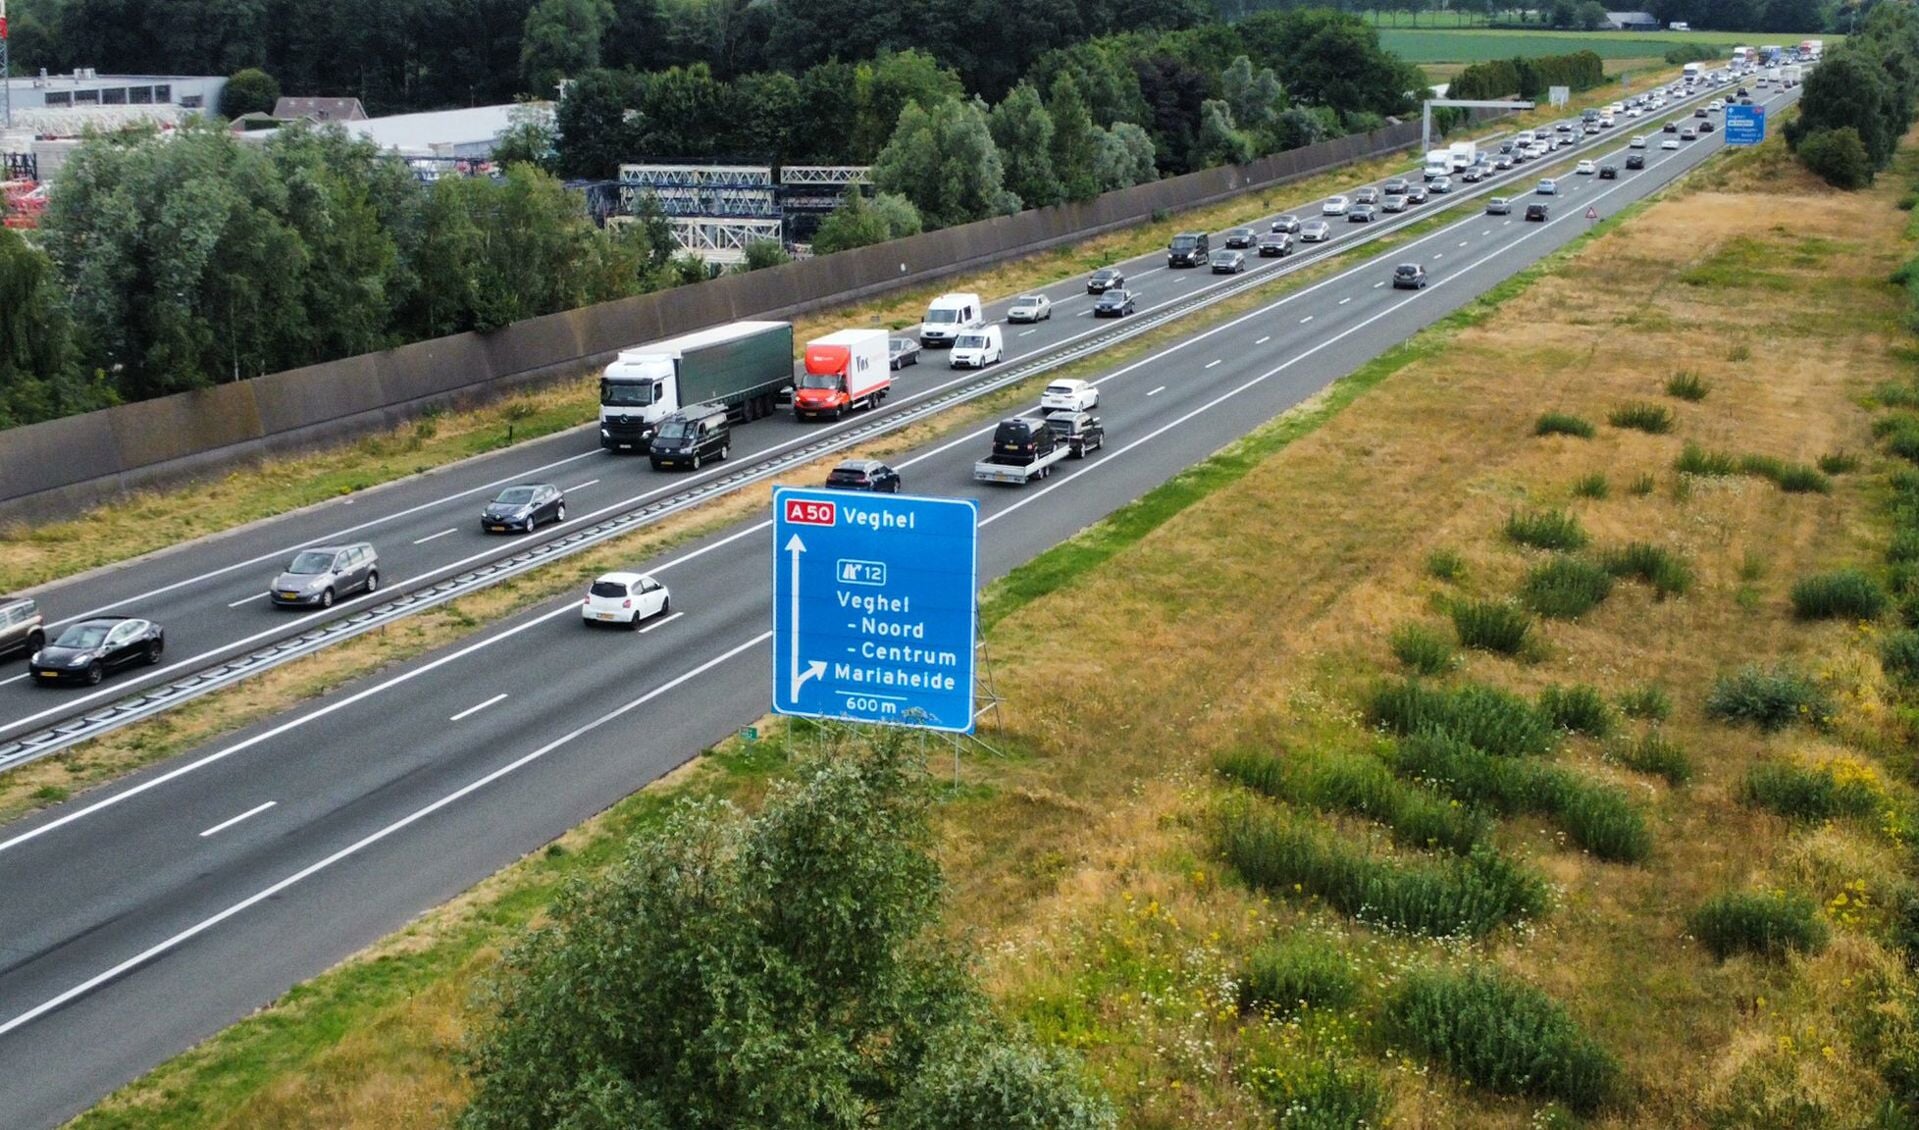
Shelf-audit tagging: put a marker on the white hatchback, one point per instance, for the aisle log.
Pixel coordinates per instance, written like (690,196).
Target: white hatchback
(1585,168)
(1069,396)
(1030,308)
(624,598)
(1334,206)
(1638,141)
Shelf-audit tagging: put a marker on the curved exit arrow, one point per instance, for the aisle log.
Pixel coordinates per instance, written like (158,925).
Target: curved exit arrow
(817,668)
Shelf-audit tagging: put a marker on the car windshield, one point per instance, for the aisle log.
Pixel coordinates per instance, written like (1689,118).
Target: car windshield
(515,496)
(1408,270)
(1222,256)
(1106,273)
(940,317)
(1183,242)
(846,475)
(83,636)
(675,428)
(312,561)
(1028,300)
(899,345)
(609,588)
(1112,297)
(820,380)
(971,341)
(623,393)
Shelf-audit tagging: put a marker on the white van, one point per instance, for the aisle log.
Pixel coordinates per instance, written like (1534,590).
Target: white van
(976,348)
(948,316)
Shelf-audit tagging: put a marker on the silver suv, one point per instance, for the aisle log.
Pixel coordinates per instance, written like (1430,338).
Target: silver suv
(323,574)
(21,626)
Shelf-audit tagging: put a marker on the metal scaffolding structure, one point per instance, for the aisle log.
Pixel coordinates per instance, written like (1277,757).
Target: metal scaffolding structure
(716,210)
(840,175)
(719,240)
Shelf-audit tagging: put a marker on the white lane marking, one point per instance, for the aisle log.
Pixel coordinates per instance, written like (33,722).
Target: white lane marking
(567,609)
(1028,333)
(1210,364)
(584,485)
(1264,340)
(15,679)
(1081,314)
(1437,254)
(662,623)
(1464,242)
(477,707)
(1377,285)
(1488,231)
(1345,300)
(1155,392)
(1306,319)
(247,599)
(363,843)
(441,534)
(225,824)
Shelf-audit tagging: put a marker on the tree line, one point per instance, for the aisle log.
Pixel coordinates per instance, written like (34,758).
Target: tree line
(167,264)
(1528,78)
(1860,100)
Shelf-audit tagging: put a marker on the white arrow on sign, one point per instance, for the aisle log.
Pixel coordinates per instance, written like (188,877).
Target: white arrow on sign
(817,668)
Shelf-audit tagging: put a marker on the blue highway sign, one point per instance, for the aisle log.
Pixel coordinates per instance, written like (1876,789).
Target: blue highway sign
(874,616)
(1745,125)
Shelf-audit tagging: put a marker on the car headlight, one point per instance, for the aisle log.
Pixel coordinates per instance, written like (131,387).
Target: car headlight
(81,660)
(34,658)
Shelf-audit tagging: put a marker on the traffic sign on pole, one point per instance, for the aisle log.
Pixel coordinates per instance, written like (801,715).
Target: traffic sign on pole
(1745,125)
(874,610)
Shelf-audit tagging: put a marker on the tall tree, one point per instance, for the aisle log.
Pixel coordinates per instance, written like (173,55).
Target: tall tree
(858,222)
(885,86)
(594,135)
(38,369)
(1074,146)
(1023,130)
(1254,96)
(943,160)
(1220,140)
(251,91)
(562,40)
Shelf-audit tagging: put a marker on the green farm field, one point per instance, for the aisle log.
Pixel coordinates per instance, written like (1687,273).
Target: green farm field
(1472,45)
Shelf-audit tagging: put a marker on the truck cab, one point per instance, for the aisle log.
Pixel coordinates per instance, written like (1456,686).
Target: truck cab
(741,366)
(948,316)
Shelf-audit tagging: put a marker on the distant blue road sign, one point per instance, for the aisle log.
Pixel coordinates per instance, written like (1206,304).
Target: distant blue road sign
(1745,125)
(874,617)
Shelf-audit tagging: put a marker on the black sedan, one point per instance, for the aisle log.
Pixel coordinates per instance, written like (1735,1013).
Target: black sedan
(1113,304)
(85,651)
(1669,127)
(1416,194)
(522,508)
(1105,279)
(1275,244)
(901,352)
(1609,172)
(1287,224)
(1635,160)
(864,474)
(1536,213)
(1239,237)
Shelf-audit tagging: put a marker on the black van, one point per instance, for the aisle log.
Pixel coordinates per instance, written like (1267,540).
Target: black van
(691,436)
(1189,249)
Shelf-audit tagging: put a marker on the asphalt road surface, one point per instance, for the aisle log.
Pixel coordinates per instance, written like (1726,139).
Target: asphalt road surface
(143,917)
(210,594)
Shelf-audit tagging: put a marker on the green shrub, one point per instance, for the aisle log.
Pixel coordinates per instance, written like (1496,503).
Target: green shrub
(1642,486)
(1546,529)
(1483,717)
(1491,625)
(1812,794)
(1501,1034)
(1905,546)
(1899,655)
(1836,156)
(1653,754)
(1696,460)
(1561,424)
(1423,650)
(1648,701)
(1301,972)
(1757,922)
(1664,570)
(1592,486)
(1900,433)
(1793,478)
(1362,785)
(1892,394)
(1687,386)
(1653,419)
(1326,1094)
(1838,463)
(1445,565)
(1566,588)
(1578,709)
(1769,698)
(1597,817)
(1451,897)
(1844,594)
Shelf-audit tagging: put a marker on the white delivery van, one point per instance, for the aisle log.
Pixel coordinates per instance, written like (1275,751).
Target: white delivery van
(948,315)
(976,348)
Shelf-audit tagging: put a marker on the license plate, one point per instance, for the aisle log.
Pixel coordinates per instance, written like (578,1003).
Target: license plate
(603,615)
(497,529)
(289,596)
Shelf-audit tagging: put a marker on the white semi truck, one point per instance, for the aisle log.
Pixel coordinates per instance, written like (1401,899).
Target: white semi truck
(741,365)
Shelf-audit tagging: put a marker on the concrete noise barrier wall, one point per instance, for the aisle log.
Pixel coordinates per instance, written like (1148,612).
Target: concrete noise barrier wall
(56,468)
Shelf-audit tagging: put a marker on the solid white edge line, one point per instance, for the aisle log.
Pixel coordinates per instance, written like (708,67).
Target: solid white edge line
(228,823)
(477,707)
(352,849)
(378,688)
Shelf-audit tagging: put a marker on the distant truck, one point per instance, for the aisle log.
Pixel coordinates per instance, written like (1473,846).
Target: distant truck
(1812,48)
(1461,155)
(1790,74)
(1439,163)
(1691,71)
(950,315)
(741,366)
(844,371)
(1024,449)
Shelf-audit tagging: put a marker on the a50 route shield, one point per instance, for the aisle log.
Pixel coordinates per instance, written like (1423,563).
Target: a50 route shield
(874,609)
